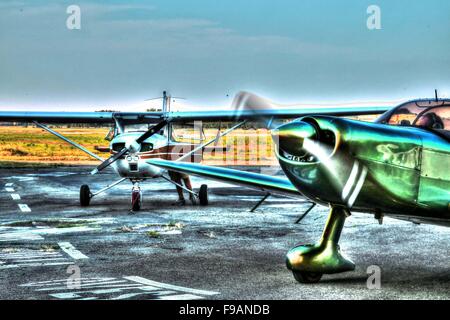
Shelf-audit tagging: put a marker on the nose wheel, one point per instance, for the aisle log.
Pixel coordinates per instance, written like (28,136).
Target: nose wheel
(307,277)
(309,262)
(85,195)
(136,198)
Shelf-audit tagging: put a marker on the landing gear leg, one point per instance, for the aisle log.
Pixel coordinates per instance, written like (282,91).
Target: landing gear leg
(86,195)
(309,262)
(136,197)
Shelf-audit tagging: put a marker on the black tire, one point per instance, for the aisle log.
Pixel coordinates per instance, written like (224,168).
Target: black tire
(85,195)
(136,201)
(307,277)
(203,195)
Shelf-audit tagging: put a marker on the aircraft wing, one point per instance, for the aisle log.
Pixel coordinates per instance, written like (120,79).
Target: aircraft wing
(230,115)
(278,185)
(182,116)
(80,117)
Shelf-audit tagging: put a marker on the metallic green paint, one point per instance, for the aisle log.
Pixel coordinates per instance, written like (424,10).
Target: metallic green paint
(371,167)
(325,256)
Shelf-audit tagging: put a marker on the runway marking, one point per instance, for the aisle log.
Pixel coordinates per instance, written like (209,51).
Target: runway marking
(31,258)
(117,289)
(15,196)
(15,233)
(65,230)
(179,297)
(24,207)
(9,189)
(43,264)
(22,178)
(68,248)
(10,184)
(18,235)
(170,286)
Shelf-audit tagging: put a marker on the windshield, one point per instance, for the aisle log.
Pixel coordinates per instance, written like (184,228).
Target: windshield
(140,127)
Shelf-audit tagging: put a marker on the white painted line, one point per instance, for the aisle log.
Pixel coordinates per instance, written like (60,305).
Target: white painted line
(46,231)
(11,266)
(10,184)
(24,207)
(8,189)
(16,236)
(171,232)
(64,281)
(15,196)
(12,257)
(68,248)
(117,289)
(170,286)
(39,260)
(180,297)
(65,295)
(30,254)
(32,258)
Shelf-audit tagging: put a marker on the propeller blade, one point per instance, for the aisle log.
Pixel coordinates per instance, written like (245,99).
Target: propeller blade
(246,102)
(152,131)
(109,161)
(125,150)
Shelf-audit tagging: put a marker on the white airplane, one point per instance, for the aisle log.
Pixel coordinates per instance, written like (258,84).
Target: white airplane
(138,137)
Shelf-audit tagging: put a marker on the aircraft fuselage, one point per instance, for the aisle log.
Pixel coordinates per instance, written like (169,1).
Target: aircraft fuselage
(368,167)
(134,165)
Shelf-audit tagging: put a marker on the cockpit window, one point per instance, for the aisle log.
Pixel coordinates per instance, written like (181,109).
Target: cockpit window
(428,114)
(141,127)
(437,118)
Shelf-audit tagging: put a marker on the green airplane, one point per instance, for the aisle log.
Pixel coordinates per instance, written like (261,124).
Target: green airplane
(398,166)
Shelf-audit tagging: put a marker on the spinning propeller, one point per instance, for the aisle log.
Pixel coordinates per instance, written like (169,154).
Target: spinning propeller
(258,107)
(133,147)
(299,140)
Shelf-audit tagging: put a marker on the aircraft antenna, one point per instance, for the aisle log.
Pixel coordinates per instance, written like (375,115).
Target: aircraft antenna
(164,105)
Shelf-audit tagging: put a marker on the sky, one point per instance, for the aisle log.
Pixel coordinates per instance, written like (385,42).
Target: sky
(290,51)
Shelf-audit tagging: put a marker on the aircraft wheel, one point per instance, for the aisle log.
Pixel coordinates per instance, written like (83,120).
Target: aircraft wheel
(203,195)
(307,277)
(85,195)
(136,201)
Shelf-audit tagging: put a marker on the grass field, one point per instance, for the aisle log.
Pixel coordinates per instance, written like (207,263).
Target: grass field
(30,146)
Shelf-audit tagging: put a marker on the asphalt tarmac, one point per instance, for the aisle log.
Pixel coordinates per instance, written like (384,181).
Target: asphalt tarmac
(51,248)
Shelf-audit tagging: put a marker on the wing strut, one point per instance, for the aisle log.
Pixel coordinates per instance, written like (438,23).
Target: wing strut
(260,202)
(313,204)
(179,185)
(76,145)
